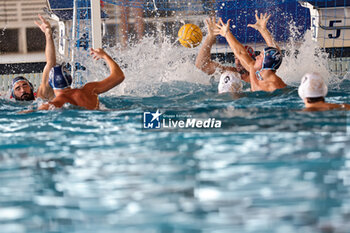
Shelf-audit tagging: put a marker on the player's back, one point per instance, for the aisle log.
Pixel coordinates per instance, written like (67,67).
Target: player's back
(83,97)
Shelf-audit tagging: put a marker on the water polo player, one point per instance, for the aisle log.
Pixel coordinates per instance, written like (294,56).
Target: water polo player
(21,89)
(262,71)
(229,83)
(208,66)
(87,96)
(313,90)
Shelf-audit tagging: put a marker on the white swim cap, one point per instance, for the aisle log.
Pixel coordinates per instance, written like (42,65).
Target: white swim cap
(312,86)
(229,82)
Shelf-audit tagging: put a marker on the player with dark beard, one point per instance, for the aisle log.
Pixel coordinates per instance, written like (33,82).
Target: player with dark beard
(21,88)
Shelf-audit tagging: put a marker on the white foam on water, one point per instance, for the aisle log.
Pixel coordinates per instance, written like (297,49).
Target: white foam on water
(153,62)
(302,57)
(147,65)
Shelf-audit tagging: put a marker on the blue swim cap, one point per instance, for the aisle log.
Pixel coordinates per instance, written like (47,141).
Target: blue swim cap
(272,59)
(16,80)
(59,77)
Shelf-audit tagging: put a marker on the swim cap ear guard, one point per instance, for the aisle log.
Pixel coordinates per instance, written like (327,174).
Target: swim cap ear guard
(59,77)
(272,59)
(18,79)
(229,82)
(312,86)
(250,51)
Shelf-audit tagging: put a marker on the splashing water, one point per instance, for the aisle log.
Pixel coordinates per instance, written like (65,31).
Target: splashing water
(148,65)
(302,57)
(153,65)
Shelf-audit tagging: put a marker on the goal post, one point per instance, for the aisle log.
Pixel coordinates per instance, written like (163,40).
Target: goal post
(96,24)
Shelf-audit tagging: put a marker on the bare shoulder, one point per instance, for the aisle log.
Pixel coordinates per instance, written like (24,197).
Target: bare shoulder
(273,81)
(280,82)
(90,86)
(328,107)
(59,101)
(339,106)
(312,109)
(346,106)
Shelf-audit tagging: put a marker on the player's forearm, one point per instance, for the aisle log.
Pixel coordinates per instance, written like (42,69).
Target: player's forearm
(44,90)
(50,52)
(239,51)
(235,45)
(114,68)
(203,57)
(265,33)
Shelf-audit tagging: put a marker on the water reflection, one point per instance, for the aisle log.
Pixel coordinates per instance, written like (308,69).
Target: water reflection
(83,171)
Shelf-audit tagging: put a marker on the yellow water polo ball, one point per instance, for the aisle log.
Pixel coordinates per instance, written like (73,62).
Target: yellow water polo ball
(190,35)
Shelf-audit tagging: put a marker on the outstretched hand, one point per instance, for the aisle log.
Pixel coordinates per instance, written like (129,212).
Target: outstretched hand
(211,25)
(221,28)
(98,53)
(261,21)
(44,25)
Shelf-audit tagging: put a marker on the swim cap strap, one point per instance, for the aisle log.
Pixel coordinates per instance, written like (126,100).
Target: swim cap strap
(259,77)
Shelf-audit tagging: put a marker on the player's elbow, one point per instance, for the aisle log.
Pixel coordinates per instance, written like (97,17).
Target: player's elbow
(240,53)
(205,67)
(121,78)
(199,64)
(50,64)
(118,79)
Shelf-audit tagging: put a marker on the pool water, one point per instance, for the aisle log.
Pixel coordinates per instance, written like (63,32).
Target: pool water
(271,168)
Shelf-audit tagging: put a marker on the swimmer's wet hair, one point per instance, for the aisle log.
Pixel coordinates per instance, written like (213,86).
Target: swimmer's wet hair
(315,99)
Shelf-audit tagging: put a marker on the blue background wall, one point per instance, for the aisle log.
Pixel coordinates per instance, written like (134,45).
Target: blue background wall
(242,13)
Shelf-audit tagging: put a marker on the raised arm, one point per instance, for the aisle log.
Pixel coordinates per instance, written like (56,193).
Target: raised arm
(203,60)
(44,90)
(116,76)
(237,48)
(260,25)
